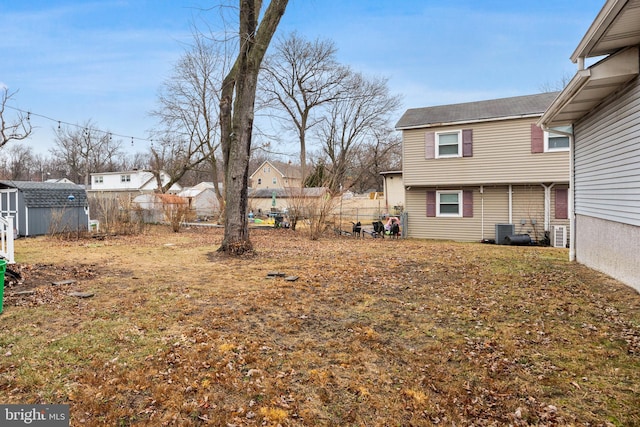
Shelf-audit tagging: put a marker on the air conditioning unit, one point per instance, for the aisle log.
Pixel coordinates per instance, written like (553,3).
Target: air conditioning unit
(559,236)
(502,231)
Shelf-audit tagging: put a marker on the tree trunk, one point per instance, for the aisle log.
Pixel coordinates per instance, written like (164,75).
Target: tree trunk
(236,118)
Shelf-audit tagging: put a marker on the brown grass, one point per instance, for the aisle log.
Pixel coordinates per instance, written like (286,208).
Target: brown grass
(373,333)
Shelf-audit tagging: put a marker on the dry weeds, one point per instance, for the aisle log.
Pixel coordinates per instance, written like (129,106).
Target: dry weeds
(373,333)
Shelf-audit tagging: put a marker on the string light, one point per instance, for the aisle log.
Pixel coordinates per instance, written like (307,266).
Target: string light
(61,122)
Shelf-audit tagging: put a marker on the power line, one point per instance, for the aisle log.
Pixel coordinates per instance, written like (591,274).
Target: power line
(62,122)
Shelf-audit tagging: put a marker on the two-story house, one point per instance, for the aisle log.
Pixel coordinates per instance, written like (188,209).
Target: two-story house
(275,175)
(602,103)
(128,182)
(483,170)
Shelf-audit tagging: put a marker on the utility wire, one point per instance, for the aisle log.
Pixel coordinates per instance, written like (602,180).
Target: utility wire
(62,122)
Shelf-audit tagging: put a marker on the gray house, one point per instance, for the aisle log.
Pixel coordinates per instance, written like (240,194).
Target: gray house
(602,104)
(39,208)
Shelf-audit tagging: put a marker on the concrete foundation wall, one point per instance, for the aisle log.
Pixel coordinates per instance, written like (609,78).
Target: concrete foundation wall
(609,247)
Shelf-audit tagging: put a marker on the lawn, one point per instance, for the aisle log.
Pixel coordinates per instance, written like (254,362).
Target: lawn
(358,332)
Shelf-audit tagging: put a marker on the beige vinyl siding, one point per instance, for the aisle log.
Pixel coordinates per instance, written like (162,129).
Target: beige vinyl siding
(501,155)
(420,226)
(528,207)
(490,207)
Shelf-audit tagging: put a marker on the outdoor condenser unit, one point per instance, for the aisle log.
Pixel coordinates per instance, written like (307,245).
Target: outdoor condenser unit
(559,236)
(502,231)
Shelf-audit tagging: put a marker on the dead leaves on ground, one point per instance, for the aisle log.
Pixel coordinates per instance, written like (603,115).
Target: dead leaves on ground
(373,332)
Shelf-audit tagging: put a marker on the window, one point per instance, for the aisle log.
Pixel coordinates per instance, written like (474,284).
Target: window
(125,178)
(275,180)
(98,179)
(448,203)
(259,181)
(448,144)
(555,142)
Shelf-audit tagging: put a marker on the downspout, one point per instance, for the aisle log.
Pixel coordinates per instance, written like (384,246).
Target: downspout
(572,214)
(510,204)
(547,206)
(482,212)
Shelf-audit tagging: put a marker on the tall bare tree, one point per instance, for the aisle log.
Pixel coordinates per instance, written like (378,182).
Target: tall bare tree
(379,153)
(364,109)
(188,115)
(17,163)
(297,78)
(18,128)
(237,106)
(85,149)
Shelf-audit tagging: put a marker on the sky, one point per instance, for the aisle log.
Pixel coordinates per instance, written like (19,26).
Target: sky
(104,61)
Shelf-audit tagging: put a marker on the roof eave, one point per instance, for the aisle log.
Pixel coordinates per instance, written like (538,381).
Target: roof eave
(598,27)
(464,122)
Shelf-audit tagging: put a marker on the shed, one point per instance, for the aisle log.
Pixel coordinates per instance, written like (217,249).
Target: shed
(39,208)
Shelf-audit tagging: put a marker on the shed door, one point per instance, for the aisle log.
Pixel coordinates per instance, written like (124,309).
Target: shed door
(9,204)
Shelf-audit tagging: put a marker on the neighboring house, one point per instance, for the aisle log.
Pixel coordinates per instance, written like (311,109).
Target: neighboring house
(264,200)
(275,175)
(41,208)
(484,170)
(202,199)
(128,182)
(393,192)
(602,103)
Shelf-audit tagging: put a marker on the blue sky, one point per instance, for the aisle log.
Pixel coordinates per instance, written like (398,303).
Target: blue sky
(105,60)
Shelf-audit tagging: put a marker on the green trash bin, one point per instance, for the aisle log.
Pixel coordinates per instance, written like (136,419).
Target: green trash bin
(3,268)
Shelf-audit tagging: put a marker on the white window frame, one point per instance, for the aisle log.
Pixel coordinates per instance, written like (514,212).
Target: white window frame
(98,179)
(449,215)
(125,178)
(547,135)
(437,144)
(274,180)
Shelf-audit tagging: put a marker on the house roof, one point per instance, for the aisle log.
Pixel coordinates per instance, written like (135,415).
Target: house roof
(290,171)
(267,193)
(469,112)
(615,27)
(614,32)
(48,194)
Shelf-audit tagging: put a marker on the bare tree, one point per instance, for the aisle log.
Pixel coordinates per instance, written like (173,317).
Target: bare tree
(237,106)
(299,77)
(86,149)
(20,162)
(188,113)
(382,152)
(363,110)
(12,130)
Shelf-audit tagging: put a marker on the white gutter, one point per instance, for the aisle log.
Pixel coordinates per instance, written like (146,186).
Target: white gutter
(466,122)
(588,46)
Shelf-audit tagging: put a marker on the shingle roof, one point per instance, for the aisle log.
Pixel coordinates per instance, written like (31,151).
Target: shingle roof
(48,194)
(476,111)
(267,193)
